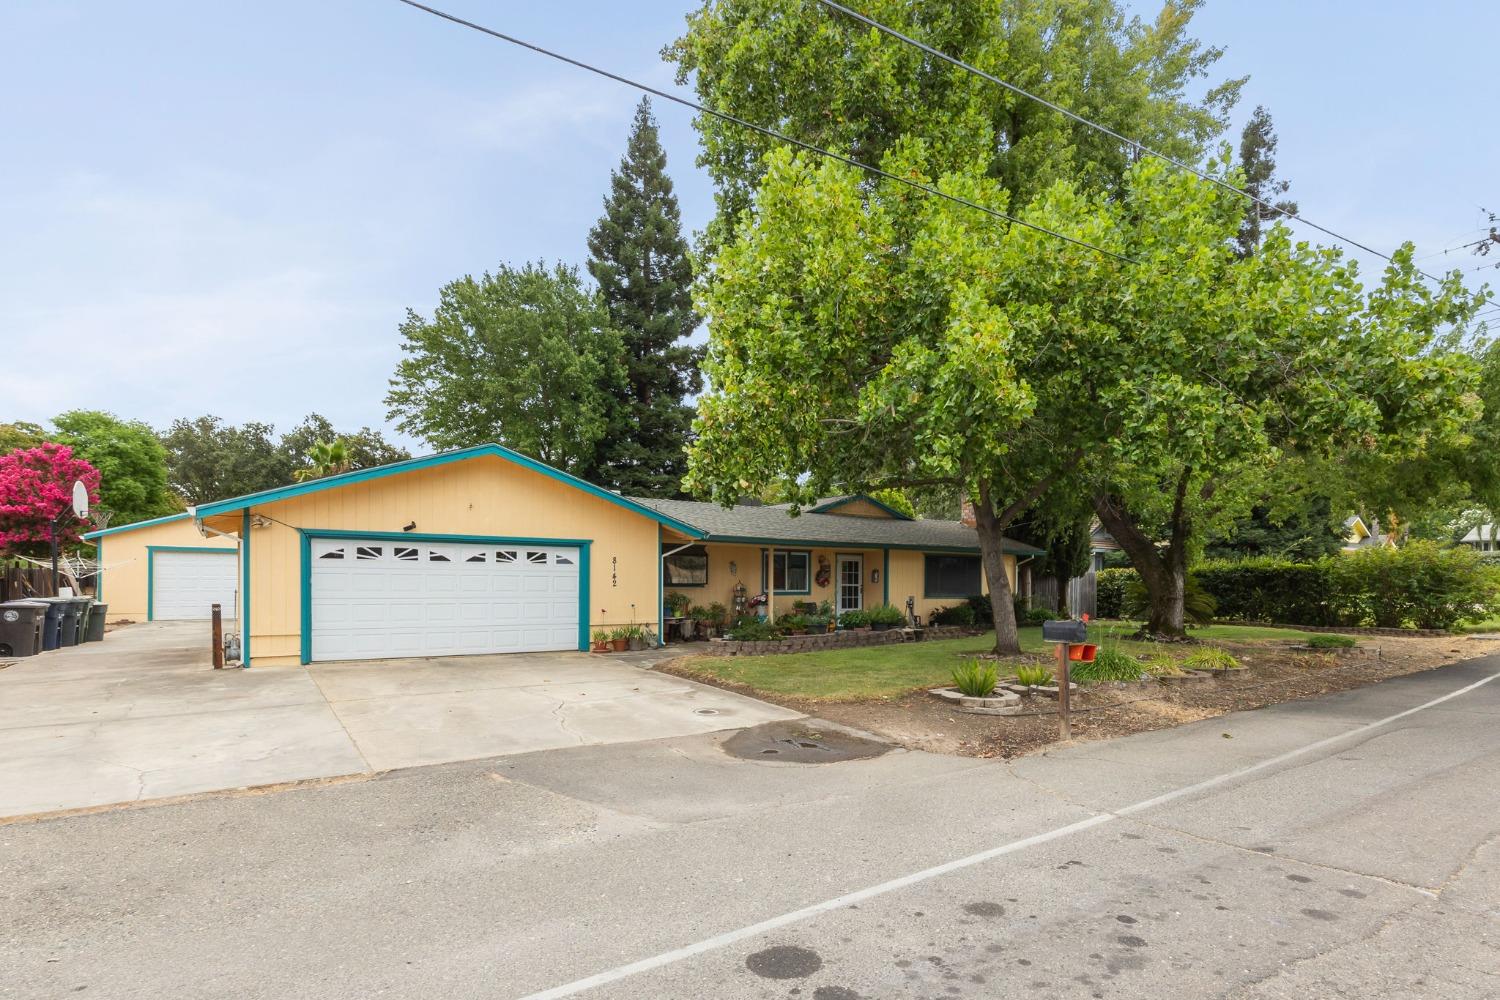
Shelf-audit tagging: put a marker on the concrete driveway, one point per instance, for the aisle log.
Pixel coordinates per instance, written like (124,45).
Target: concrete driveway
(141,716)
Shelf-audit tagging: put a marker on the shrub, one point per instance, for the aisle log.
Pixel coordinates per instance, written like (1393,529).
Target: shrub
(1109,664)
(792,623)
(886,614)
(1212,659)
(984,611)
(1109,600)
(754,630)
(1161,665)
(1421,584)
(1198,605)
(1330,641)
(1271,590)
(955,614)
(854,619)
(717,612)
(1033,675)
(1036,616)
(975,678)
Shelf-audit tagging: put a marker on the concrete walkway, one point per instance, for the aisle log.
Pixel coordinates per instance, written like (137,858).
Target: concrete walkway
(142,716)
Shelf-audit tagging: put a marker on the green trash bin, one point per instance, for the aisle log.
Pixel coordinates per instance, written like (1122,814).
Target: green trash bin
(21,628)
(96,622)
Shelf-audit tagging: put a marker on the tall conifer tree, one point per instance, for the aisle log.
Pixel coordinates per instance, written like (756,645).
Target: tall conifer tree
(639,258)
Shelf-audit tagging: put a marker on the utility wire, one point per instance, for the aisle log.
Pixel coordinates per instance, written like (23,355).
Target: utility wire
(701,109)
(966,67)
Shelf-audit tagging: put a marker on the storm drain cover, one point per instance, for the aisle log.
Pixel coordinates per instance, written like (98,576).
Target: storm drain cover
(705,711)
(800,743)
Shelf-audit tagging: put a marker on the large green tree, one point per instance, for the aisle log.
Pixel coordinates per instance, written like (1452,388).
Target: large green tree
(524,357)
(208,459)
(797,66)
(20,434)
(131,461)
(639,258)
(1258,168)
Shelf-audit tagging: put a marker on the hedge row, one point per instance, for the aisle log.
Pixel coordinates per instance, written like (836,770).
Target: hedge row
(1420,585)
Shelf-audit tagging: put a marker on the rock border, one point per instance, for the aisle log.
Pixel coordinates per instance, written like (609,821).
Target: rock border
(999,703)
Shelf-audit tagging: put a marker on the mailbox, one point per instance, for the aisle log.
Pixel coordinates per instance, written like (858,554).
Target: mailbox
(1069,630)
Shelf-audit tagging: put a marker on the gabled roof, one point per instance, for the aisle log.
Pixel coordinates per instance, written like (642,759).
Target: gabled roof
(431,461)
(832,504)
(775,525)
(91,535)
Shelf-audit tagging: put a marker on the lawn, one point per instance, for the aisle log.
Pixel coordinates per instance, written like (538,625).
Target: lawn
(878,672)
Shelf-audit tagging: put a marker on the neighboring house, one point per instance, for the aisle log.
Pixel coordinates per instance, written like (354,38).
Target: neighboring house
(483,550)
(1101,544)
(1482,538)
(1359,535)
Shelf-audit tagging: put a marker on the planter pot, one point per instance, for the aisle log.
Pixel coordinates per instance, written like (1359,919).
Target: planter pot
(619,645)
(601,647)
(637,644)
(705,630)
(879,627)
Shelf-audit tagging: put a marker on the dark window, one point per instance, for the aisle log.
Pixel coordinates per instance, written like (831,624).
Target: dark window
(792,575)
(476,557)
(435,556)
(539,558)
(368,552)
(951,576)
(405,554)
(505,555)
(562,560)
(688,568)
(332,554)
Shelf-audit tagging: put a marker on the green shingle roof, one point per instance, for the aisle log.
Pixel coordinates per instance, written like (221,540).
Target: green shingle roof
(775,524)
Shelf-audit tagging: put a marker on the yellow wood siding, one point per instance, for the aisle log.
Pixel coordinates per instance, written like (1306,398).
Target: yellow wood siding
(483,496)
(125,563)
(859,508)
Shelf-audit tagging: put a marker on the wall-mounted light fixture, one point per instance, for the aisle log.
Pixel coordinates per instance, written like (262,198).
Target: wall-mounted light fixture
(734,568)
(410,527)
(258,521)
(874,576)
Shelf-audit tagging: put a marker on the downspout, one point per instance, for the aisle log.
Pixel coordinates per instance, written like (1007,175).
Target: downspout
(1019,564)
(661,588)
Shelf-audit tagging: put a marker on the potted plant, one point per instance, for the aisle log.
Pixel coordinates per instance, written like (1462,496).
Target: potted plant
(855,620)
(886,617)
(677,604)
(636,637)
(717,614)
(794,624)
(619,640)
(601,640)
(702,621)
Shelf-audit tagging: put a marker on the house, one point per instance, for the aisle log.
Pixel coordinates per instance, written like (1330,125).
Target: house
(1482,538)
(1360,535)
(483,550)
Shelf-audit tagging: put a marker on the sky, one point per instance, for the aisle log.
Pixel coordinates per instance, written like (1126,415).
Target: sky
(228,208)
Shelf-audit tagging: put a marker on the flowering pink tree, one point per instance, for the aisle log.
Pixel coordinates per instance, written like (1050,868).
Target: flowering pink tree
(36,484)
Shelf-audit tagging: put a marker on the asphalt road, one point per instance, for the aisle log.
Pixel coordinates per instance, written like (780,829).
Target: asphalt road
(1342,847)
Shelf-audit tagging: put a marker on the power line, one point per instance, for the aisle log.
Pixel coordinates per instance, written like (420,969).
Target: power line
(966,67)
(684,102)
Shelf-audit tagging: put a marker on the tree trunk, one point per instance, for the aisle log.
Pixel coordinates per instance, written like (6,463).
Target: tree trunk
(1162,570)
(1062,595)
(987,524)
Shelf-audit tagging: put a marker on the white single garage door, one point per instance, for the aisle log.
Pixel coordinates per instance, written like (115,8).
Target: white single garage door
(374,599)
(185,585)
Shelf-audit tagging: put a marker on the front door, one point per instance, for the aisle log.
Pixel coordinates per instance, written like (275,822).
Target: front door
(851,583)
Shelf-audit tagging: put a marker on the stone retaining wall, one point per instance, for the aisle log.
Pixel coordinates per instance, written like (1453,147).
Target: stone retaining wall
(849,639)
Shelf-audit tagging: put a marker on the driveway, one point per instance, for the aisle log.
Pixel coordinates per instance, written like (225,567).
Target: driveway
(1340,847)
(142,716)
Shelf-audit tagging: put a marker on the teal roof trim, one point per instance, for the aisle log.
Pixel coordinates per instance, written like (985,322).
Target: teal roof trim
(431,461)
(91,535)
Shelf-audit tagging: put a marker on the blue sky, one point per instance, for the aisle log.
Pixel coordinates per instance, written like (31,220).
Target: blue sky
(227,208)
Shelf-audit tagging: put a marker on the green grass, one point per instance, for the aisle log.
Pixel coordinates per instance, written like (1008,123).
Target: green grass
(880,672)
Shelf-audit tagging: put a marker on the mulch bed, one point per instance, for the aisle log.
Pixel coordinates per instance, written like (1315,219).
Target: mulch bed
(1274,673)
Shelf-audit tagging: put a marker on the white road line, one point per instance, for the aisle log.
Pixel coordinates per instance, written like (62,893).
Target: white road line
(860,895)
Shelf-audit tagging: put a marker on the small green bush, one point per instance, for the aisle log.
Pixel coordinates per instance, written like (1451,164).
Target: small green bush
(976,678)
(1109,664)
(1330,641)
(1420,584)
(754,630)
(792,623)
(1036,616)
(961,615)
(984,611)
(1212,659)
(854,619)
(1033,675)
(1109,591)
(886,614)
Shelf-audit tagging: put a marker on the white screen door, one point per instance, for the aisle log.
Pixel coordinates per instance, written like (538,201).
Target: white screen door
(851,583)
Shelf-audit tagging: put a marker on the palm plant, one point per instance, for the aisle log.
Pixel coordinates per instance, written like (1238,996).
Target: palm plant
(328,458)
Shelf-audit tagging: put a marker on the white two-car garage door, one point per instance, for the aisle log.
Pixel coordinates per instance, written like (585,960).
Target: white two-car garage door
(187,583)
(375,599)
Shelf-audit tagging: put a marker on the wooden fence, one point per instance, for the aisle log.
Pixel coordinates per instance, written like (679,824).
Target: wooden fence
(20,582)
(1083,594)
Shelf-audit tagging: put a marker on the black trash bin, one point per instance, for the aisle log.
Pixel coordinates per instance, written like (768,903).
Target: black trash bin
(96,622)
(84,615)
(21,628)
(52,623)
(72,612)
